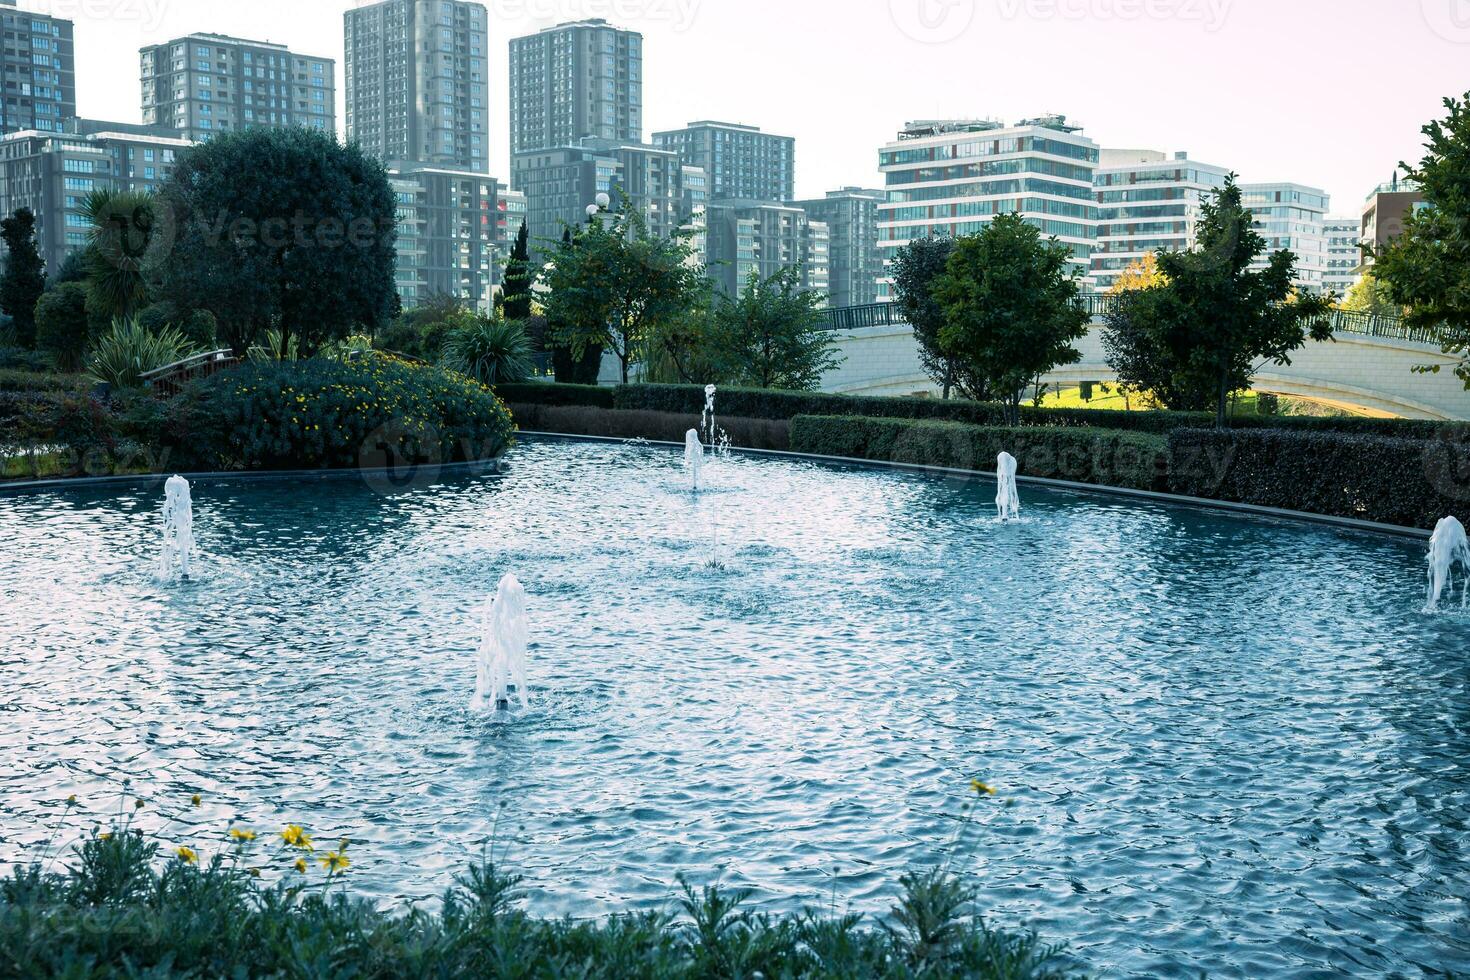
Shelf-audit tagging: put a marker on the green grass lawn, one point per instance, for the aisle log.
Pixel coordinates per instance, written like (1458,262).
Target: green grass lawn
(1107,397)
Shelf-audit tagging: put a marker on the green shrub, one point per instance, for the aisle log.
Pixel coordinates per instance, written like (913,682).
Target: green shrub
(121,907)
(1408,482)
(554,395)
(490,350)
(78,430)
(127,352)
(63,328)
(324,413)
(198,327)
(18,380)
(20,359)
(1099,456)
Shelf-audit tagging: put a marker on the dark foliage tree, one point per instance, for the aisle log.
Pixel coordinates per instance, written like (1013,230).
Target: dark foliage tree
(916,267)
(24,279)
(281,230)
(63,329)
(1010,307)
(126,239)
(1427,268)
(517,295)
(771,336)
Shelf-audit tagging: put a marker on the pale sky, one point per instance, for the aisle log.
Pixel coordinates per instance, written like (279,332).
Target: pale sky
(1325,92)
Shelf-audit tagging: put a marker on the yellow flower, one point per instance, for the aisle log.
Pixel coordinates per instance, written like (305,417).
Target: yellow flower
(71,800)
(300,865)
(335,861)
(195,799)
(981,789)
(105,836)
(187,855)
(255,872)
(242,835)
(296,836)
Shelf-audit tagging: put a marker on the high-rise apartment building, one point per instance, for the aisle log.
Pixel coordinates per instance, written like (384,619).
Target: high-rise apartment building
(452,227)
(52,174)
(952,177)
(851,217)
(764,238)
(1147,202)
(38,62)
(1291,217)
(743,163)
(1344,254)
(576,81)
(205,84)
(417,85)
(1383,215)
(560,183)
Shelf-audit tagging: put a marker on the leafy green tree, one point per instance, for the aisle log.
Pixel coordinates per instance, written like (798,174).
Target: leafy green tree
(1010,307)
(63,328)
(516,298)
(73,269)
(772,335)
(682,350)
(1147,366)
(916,267)
(281,229)
(126,237)
(1427,268)
(1371,295)
(197,326)
(25,275)
(1215,318)
(615,284)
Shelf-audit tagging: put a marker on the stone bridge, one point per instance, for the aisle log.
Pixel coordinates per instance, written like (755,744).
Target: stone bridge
(1368,368)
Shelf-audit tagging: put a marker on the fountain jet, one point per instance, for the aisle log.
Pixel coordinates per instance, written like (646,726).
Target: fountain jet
(694,460)
(708,418)
(1007,499)
(178,530)
(1448,548)
(502,659)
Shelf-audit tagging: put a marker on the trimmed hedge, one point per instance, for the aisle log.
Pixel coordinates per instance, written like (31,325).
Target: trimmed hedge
(784,405)
(590,396)
(324,413)
(1408,482)
(1100,456)
(658,426)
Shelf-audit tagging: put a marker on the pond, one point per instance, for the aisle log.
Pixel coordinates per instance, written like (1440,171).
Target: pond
(1220,743)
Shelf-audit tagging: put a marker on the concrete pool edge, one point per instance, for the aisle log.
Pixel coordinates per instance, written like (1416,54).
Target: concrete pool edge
(1153,496)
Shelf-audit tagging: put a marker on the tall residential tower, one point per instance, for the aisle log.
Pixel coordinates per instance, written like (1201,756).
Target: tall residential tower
(38,61)
(417,87)
(205,84)
(575,81)
(743,163)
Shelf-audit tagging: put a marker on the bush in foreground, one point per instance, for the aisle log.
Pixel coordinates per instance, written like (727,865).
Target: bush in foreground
(325,413)
(121,909)
(1408,482)
(1099,456)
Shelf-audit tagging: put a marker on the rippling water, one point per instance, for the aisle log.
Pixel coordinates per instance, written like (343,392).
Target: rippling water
(1233,745)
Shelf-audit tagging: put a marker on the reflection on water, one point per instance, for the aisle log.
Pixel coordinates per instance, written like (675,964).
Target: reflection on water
(1234,746)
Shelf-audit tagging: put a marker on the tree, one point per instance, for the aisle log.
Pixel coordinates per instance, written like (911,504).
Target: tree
(1371,295)
(1427,268)
(125,238)
(772,335)
(63,328)
(915,268)
(682,349)
(281,229)
(516,297)
(1146,366)
(25,275)
(1010,307)
(1143,274)
(1214,320)
(615,284)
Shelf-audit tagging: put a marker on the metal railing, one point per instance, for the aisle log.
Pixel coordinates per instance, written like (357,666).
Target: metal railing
(168,380)
(1099,305)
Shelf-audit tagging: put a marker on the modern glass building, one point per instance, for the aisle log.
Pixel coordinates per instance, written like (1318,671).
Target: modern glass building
(1292,217)
(205,84)
(743,163)
(1344,253)
(576,81)
(851,217)
(1147,202)
(417,87)
(952,177)
(38,61)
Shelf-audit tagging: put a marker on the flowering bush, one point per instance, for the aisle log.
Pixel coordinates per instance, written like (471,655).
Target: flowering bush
(327,413)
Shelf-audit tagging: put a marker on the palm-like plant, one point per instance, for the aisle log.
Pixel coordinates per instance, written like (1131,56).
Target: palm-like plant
(127,352)
(124,236)
(490,350)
